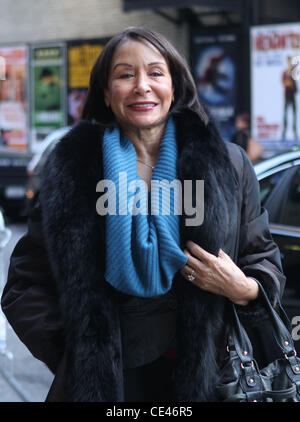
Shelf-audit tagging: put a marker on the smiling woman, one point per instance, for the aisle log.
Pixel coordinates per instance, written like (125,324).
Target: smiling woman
(140,92)
(134,306)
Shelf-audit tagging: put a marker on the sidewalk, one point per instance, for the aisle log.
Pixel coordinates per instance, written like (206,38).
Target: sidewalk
(31,376)
(26,378)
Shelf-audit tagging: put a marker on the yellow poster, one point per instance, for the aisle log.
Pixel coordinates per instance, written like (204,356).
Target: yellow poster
(81,59)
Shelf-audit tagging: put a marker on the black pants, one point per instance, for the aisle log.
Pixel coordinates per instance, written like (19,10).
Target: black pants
(151,382)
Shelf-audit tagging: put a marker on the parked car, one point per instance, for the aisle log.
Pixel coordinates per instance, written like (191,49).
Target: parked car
(35,165)
(279,179)
(13,181)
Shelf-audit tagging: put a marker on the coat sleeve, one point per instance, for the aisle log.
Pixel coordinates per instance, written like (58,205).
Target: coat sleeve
(258,254)
(29,300)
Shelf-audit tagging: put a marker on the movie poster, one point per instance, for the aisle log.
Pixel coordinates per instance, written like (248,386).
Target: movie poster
(214,69)
(13,97)
(275,95)
(81,58)
(47,91)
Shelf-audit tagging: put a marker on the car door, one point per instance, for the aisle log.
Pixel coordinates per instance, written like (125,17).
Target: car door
(280,195)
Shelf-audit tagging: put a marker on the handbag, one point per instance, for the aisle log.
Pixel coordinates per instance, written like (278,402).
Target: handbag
(241,378)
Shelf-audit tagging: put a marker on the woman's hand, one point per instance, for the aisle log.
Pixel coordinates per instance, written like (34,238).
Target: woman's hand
(219,275)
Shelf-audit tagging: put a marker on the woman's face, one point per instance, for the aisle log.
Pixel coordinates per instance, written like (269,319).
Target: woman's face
(140,90)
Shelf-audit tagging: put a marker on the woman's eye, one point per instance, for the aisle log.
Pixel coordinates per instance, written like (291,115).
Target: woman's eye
(155,73)
(126,75)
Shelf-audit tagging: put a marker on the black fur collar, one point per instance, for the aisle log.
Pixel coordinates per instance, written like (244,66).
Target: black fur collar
(76,245)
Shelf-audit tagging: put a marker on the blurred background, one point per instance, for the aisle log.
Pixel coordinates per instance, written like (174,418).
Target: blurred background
(245,58)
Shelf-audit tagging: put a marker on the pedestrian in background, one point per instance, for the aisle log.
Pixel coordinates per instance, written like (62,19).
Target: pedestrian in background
(243,138)
(135,307)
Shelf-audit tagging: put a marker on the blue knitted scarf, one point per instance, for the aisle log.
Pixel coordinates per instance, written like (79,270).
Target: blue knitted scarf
(142,242)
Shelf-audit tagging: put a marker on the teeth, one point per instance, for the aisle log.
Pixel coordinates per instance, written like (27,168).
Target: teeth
(143,105)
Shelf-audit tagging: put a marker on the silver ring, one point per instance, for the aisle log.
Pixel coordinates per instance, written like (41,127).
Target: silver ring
(190,277)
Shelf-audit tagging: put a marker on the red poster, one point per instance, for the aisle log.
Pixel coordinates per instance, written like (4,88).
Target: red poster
(13,97)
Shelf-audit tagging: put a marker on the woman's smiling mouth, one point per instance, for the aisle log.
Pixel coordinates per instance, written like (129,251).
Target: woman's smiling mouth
(143,106)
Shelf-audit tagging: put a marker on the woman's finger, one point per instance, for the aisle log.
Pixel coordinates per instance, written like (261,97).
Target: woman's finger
(199,252)
(187,269)
(196,263)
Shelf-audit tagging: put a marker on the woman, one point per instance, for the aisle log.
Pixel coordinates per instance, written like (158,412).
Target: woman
(134,307)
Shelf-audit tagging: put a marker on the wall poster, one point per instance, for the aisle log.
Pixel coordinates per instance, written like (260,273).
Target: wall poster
(81,58)
(275,89)
(13,97)
(214,69)
(47,90)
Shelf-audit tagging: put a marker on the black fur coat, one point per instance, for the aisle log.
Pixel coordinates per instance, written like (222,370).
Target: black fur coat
(58,302)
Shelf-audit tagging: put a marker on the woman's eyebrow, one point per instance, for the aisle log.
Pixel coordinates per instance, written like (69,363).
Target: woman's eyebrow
(122,64)
(130,65)
(156,63)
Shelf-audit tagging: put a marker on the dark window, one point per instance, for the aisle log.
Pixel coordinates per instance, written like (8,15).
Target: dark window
(268,184)
(292,211)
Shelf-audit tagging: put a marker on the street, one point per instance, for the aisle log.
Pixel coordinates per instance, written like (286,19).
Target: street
(22,377)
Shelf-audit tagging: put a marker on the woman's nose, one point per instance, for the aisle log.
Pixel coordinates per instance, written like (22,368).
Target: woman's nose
(142,85)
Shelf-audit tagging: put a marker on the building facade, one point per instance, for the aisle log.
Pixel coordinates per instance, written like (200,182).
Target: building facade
(29,21)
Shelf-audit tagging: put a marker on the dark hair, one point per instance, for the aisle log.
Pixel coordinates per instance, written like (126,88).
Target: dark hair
(185,92)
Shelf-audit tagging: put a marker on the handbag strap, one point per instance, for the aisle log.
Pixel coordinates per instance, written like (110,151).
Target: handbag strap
(241,341)
(281,333)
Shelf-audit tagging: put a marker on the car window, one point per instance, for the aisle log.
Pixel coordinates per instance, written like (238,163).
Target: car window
(269,183)
(292,211)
